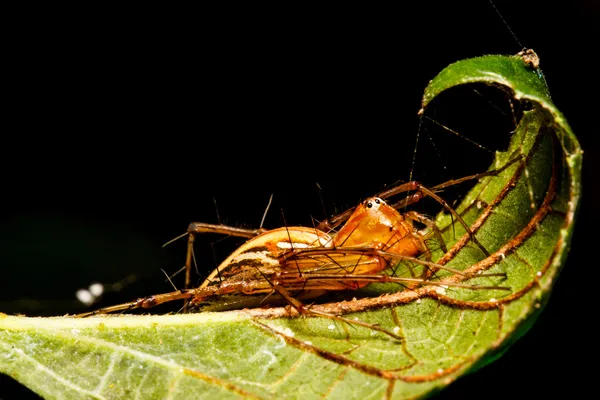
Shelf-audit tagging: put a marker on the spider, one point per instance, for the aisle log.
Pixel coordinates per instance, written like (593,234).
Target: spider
(298,262)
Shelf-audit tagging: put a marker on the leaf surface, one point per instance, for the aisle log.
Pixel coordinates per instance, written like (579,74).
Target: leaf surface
(524,217)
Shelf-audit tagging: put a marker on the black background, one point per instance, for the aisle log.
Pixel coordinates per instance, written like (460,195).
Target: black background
(121,126)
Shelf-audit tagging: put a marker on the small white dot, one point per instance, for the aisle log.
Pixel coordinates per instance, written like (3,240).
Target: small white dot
(440,371)
(396,329)
(96,289)
(418,301)
(539,273)
(84,296)
(493,300)
(331,327)
(288,332)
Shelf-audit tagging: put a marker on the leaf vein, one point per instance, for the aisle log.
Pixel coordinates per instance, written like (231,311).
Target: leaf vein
(113,361)
(41,367)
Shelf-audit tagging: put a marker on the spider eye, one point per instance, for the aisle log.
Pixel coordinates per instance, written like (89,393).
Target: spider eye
(377,201)
(369,204)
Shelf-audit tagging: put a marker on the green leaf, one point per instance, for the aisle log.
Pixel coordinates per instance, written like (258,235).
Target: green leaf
(524,217)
